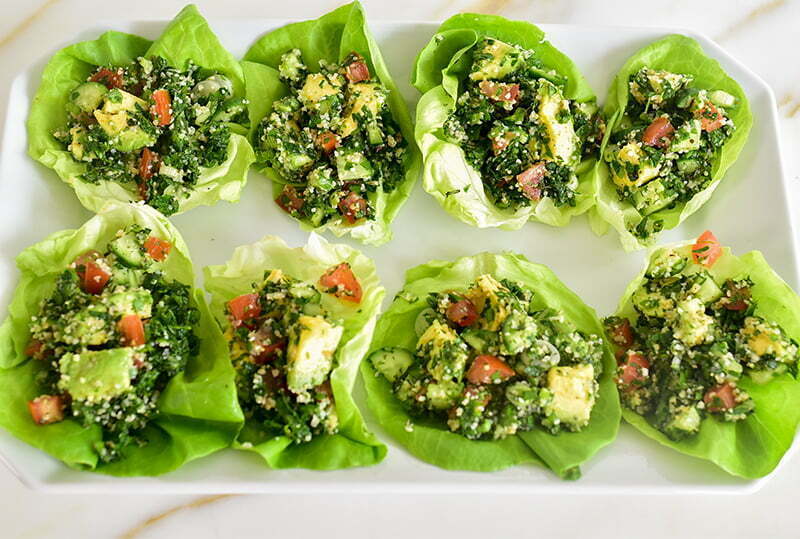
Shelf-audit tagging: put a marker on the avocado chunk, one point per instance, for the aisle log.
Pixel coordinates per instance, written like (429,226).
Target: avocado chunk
(96,375)
(494,60)
(685,422)
(443,395)
(694,325)
(88,96)
(563,143)
(129,250)
(136,301)
(89,326)
(573,390)
(133,138)
(310,353)
(352,165)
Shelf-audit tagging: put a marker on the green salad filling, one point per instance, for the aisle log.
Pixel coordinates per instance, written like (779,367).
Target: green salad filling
(113,332)
(518,130)
(662,152)
(333,140)
(693,340)
(283,346)
(149,125)
(490,365)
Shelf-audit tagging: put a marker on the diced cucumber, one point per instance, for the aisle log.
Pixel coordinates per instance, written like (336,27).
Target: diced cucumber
(391,362)
(131,277)
(352,165)
(128,250)
(722,99)
(374,134)
(302,290)
(652,197)
(229,110)
(687,166)
(475,339)
(709,290)
(88,96)
(423,320)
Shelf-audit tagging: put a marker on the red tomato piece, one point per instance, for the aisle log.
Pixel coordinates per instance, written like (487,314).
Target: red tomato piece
(289,201)
(34,349)
(46,409)
(711,118)
(500,91)
(111,78)
(162,107)
(530,179)
(634,369)
(720,398)
(327,141)
(244,307)
(132,330)
(706,250)
(156,248)
(659,133)
(353,207)
(622,334)
(340,281)
(357,71)
(94,278)
(462,313)
(487,369)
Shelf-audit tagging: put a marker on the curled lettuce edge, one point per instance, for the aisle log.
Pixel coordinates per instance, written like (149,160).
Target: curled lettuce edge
(429,440)
(187,37)
(198,413)
(751,448)
(681,54)
(447,176)
(332,37)
(354,445)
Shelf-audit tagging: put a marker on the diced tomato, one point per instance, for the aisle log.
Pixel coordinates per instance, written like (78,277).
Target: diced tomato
(289,200)
(327,141)
(622,333)
(47,409)
(530,179)
(111,78)
(357,71)
(94,277)
(353,207)
(132,330)
(274,381)
(462,313)
(737,297)
(500,144)
(488,369)
(634,369)
(244,307)
(720,398)
(270,352)
(156,248)
(658,133)
(34,349)
(162,108)
(340,281)
(706,250)
(148,163)
(711,118)
(500,91)
(266,345)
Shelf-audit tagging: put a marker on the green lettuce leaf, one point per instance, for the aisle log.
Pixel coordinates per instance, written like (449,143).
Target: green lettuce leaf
(188,37)
(753,447)
(331,38)
(446,174)
(354,445)
(679,54)
(431,441)
(198,411)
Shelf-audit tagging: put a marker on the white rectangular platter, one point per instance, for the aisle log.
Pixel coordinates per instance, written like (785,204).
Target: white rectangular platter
(749,211)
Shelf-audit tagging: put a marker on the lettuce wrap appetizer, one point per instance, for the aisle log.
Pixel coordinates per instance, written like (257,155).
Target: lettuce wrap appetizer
(122,118)
(507,125)
(109,359)
(707,349)
(298,321)
(490,361)
(676,123)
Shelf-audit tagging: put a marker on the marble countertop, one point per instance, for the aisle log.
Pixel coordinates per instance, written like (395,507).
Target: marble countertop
(760,33)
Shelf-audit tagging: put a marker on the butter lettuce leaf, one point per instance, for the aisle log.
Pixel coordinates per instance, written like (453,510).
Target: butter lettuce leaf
(678,54)
(354,445)
(198,410)
(446,175)
(331,38)
(432,441)
(187,37)
(753,447)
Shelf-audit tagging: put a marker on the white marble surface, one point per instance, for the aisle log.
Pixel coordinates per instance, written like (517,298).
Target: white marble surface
(761,34)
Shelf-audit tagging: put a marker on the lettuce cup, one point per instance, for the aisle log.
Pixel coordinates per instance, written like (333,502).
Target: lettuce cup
(329,126)
(123,118)
(707,344)
(109,358)
(298,322)
(489,362)
(507,125)
(676,124)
